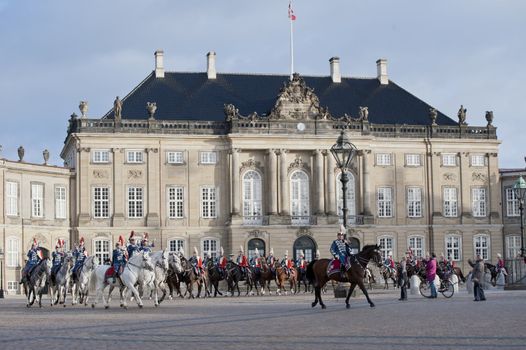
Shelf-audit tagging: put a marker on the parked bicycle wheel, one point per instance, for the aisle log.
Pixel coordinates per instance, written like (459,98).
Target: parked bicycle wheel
(425,289)
(447,289)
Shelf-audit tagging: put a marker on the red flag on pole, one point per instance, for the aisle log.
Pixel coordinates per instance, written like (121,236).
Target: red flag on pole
(291,12)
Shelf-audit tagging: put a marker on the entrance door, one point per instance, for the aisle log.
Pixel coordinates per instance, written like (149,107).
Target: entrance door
(307,245)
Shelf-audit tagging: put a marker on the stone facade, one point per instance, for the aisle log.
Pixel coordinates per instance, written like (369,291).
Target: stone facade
(510,212)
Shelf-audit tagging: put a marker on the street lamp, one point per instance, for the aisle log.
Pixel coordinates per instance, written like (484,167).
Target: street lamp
(1,273)
(520,190)
(343,151)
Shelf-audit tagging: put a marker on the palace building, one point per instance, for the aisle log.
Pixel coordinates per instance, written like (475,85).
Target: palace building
(210,159)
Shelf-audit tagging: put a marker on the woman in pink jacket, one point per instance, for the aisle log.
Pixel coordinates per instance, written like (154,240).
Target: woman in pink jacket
(431,271)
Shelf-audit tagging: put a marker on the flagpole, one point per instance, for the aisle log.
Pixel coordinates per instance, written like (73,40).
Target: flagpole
(291,43)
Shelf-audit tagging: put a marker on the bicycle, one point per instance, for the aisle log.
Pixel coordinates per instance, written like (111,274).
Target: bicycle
(446,288)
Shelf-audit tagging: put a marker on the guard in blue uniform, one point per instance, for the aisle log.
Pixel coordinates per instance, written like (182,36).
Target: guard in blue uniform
(80,255)
(57,258)
(340,249)
(145,247)
(119,258)
(132,247)
(34,256)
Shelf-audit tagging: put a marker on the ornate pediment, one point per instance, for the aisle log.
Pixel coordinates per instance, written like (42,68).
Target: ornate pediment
(297,101)
(298,164)
(250,164)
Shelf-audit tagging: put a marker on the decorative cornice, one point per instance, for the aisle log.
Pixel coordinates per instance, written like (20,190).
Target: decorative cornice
(250,164)
(450,177)
(134,174)
(100,174)
(298,164)
(479,177)
(304,231)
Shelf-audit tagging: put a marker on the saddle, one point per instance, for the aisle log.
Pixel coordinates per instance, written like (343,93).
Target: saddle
(334,266)
(109,272)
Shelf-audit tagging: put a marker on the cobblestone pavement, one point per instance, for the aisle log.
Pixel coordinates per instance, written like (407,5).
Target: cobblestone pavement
(272,322)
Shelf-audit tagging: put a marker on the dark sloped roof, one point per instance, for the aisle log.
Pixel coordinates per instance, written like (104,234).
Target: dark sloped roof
(192,96)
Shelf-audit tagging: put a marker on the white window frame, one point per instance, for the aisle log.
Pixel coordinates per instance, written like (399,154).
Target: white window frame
(351,198)
(11,199)
(449,159)
(389,245)
(450,246)
(478,160)
(37,200)
(209,202)
(207,245)
(99,245)
(299,192)
(414,202)
(12,287)
(384,202)
(384,159)
(479,203)
(252,193)
(61,210)
(175,205)
(413,241)
(105,210)
(12,256)
(135,202)
(177,243)
(413,160)
(134,156)
(482,245)
(512,203)
(208,157)
(450,203)
(100,156)
(513,246)
(175,157)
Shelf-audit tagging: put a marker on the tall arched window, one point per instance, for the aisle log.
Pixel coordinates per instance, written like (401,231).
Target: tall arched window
(252,203)
(210,245)
(386,244)
(306,245)
(299,198)
(351,198)
(256,243)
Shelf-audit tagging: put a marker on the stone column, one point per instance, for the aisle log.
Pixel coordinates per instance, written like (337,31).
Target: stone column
(318,163)
(331,182)
(366,195)
(152,190)
(117,187)
(284,183)
(83,179)
(273,182)
(234,181)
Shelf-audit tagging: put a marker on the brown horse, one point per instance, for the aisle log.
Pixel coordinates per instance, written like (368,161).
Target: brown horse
(266,277)
(282,276)
(317,273)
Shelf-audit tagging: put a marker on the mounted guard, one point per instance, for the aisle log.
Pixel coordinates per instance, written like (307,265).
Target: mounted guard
(271,260)
(145,246)
(340,250)
(242,261)
(80,255)
(34,256)
(501,266)
(302,263)
(197,262)
(256,262)
(389,263)
(132,246)
(221,264)
(57,258)
(119,258)
(287,263)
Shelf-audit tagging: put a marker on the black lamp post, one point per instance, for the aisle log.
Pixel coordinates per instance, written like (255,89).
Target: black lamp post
(343,151)
(1,274)
(520,190)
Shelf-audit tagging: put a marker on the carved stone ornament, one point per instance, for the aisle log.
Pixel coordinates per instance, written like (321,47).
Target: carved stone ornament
(304,231)
(231,112)
(462,115)
(257,234)
(450,177)
(433,116)
(363,113)
(298,164)
(250,164)
(21,152)
(296,101)
(134,174)
(478,177)
(100,174)
(45,155)
(83,107)
(151,107)
(117,109)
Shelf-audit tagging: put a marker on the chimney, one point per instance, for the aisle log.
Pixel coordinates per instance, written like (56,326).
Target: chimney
(211,65)
(336,76)
(159,64)
(381,71)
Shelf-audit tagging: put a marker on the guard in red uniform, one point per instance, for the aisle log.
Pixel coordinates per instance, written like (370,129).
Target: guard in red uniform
(197,262)
(287,263)
(242,261)
(501,266)
(221,264)
(302,263)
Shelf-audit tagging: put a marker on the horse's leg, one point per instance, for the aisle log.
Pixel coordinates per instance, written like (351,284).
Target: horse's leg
(349,292)
(136,295)
(362,287)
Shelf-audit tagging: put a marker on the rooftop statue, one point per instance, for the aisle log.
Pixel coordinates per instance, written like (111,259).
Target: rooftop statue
(117,108)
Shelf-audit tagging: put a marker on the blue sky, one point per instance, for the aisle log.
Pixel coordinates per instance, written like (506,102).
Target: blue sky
(55,53)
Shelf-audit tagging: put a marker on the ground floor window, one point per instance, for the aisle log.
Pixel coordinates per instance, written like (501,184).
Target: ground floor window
(176,245)
(416,243)
(210,245)
(513,246)
(453,247)
(12,287)
(386,244)
(481,245)
(101,247)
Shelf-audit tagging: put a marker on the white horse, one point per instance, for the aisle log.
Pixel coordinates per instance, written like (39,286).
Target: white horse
(80,288)
(155,279)
(60,283)
(131,274)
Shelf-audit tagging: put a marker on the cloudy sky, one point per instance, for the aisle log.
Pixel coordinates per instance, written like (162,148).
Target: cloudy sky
(55,53)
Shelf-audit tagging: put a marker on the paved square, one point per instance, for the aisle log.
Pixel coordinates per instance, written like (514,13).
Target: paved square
(272,322)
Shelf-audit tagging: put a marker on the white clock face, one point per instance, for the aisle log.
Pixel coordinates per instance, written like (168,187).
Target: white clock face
(300,126)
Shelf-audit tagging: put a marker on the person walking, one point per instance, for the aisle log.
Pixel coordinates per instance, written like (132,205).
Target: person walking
(402,279)
(431,272)
(477,276)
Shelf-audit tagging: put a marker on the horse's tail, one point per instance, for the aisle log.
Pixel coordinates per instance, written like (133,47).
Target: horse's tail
(310,272)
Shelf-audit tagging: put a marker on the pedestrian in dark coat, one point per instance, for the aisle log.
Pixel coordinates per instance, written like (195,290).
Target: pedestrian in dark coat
(477,276)
(402,279)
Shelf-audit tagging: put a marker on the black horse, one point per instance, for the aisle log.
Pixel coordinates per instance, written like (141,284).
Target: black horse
(37,282)
(214,277)
(189,277)
(494,271)
(234,275)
